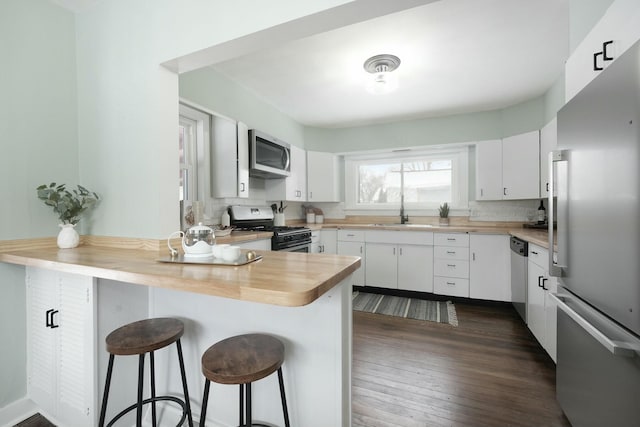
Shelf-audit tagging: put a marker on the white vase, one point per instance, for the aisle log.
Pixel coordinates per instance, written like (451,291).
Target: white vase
(68,237)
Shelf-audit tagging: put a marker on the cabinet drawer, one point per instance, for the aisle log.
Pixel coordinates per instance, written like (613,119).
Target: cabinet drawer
(453,286)
(451,239)
(451,252)
(451,268)
(351,235)
(539,255)
(399,237)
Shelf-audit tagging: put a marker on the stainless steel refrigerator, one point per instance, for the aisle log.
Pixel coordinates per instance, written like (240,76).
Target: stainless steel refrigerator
(596,176)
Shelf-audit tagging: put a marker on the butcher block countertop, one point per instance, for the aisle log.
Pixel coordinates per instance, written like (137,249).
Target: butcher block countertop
(279,278)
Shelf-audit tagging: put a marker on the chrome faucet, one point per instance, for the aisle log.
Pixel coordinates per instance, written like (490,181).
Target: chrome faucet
(403,218)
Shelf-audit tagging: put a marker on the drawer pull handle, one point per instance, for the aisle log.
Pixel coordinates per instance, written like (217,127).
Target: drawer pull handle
(451,252)
(451,265)
(451,283)
(451,239)
(534,252)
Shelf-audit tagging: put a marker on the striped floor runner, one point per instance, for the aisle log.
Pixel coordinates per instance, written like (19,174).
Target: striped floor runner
(412,308)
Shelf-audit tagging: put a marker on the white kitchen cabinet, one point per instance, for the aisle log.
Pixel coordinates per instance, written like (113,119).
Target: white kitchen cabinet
(382,265)
(508,169)
(541,310)
(451,264)
(329,241)
(294,187)
(490,267)
(521,166)
(61,345)
(399,260)
(620,26)
(548,143)
(351,242)
(229,152)
(489,170)
(322,177)
(315,247)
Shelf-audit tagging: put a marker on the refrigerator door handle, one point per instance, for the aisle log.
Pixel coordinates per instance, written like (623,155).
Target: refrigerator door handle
(616,347)
(555,157)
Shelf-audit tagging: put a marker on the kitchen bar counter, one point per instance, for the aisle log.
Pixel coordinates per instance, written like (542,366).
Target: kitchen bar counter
(279,278)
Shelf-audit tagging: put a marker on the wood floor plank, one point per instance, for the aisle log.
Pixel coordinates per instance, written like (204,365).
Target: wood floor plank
(487,372)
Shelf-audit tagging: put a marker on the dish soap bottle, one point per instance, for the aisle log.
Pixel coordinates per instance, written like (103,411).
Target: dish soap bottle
(542,213)
(225,219)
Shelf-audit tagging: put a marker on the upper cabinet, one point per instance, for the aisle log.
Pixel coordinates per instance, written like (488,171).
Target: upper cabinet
(508,169)
(229,158)
(294,187)
(322,177)
(616,31)
(548,143)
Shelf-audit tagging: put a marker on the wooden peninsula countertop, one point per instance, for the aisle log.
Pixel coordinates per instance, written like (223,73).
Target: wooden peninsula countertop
(279,278)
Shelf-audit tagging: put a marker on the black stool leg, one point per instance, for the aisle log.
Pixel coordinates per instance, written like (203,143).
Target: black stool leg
(140,387)
(248,408)
(184,384)
(105,396)
(284,399)
(152,368)
(205,399)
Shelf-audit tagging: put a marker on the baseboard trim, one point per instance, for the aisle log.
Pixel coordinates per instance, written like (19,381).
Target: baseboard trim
(17,411)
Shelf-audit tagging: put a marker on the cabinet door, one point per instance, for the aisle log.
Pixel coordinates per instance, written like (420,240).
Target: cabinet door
(551,319)
(224,157)
(297,182)
(535,302)
(61,346)
(243,160)
(415,268)
(382,265)
(322,180)
(328,241)
(489,170)
(521,166)
(548,143)
(355,249)
(490,267)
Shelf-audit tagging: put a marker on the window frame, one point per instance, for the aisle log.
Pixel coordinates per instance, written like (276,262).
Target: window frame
(459,156)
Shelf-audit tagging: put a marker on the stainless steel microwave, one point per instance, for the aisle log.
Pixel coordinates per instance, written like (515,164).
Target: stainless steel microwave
(268,156)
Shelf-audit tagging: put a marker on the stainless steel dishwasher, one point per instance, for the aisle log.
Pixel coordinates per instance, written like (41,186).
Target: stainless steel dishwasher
(519,254)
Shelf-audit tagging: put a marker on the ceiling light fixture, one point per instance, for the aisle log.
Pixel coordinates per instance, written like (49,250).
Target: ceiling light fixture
(382,80)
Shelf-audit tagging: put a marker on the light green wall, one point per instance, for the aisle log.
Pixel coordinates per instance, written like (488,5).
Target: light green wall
(38,142)
(215,91)
(128,103)
(583,15)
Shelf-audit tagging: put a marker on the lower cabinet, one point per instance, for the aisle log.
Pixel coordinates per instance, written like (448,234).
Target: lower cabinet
(351,242)
(329,241)
(541,310)
(451,264)
(61,345)
(489,267)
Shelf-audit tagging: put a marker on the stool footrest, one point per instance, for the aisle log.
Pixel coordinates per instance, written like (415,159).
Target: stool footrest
(150,400)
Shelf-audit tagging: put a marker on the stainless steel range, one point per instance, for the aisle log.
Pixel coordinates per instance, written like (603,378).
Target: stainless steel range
(290,239)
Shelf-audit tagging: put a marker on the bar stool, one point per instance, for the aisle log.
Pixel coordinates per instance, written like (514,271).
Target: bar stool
(242,360)
(142,337)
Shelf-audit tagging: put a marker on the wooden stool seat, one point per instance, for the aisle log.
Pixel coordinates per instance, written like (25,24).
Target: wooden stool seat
(141,338)
(144,336)
(242,359)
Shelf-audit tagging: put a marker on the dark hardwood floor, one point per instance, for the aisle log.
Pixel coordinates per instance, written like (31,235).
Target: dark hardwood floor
(488,371)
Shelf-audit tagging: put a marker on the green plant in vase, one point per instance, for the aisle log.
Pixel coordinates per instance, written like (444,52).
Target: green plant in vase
(443,210)
(69,206)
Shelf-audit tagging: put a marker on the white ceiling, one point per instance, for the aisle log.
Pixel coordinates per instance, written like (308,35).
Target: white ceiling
(457,56)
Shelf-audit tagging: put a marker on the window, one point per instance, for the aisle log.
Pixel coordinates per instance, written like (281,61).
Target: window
(423,179)
(193,137)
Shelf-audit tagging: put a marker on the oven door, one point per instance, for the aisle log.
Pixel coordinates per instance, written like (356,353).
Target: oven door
(296,247)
